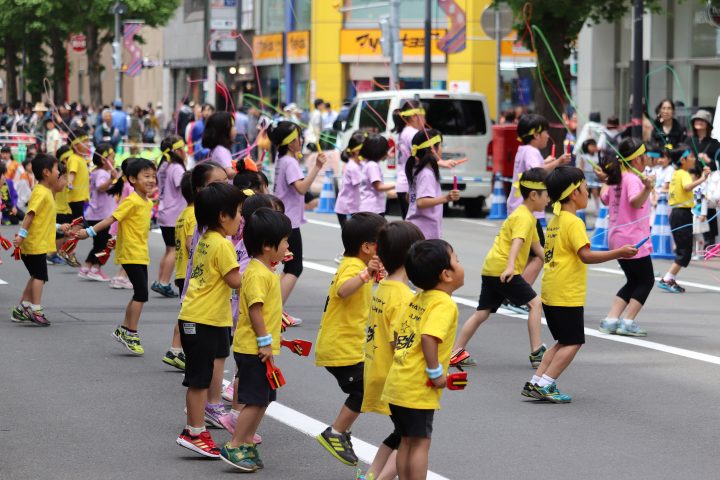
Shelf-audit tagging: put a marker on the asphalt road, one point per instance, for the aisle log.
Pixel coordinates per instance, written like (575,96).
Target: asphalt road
(75,405)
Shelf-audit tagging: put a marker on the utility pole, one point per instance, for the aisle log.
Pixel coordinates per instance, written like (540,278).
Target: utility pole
(117,9)
(498,52)
(397,46)
(427,67)
(637,69)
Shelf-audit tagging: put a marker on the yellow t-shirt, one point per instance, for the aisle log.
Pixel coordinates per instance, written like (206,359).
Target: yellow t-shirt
(520,224)
(81,185)
(41,234)
(133,217)
(184,227)
(207,300)
(564,282)
(260,285)
(341,338)
(61,203)
(433,313)
(389,302)
(679,198)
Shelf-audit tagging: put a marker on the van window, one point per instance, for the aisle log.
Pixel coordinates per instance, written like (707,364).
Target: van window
(374,114)
(455,117)
(350,118)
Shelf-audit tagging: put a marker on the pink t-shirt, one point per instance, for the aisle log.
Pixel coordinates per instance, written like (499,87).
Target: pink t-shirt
(172,203)
(287,172)
(627,225)
(428,220)
(370,199)
(527,157)
(101,204)
(403,152)
(348,199)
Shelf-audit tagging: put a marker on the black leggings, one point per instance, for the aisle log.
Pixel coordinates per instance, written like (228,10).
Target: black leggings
(404,205)
(342,218)
(640,279)
(711,234)
(99,243)
(138,276)
(295,266)
(77,208)
(683,237)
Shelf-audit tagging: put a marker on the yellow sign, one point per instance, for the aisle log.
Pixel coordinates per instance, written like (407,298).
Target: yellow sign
(298,46)
(364,46)
(268,49)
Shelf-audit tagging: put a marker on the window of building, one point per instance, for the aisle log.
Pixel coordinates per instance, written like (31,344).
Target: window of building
(272,16)
(303,14)
(247,15)
(412,13)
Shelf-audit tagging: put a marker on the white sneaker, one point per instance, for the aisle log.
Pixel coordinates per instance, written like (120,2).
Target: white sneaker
(83,273)
(228,392)
(115,283)
(97,275)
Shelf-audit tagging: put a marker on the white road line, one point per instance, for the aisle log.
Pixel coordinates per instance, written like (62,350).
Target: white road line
(689,284)
(681,352)
(3,282)
(481,222)
(324,224)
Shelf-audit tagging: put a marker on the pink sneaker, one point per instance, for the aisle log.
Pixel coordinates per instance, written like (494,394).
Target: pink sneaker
(125,283)
(83,273)
(228,393)
(97,275)
(229,421)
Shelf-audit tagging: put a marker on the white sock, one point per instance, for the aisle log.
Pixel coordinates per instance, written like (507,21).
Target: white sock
(175,351)
(195,430)
(668,276)
(535,380)
(25,303)
(334,432)
(36,308)
(545,381)
(611,321)
(628,322)
(234,412)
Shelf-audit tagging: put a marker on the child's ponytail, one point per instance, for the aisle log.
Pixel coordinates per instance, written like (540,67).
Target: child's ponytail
(117,187)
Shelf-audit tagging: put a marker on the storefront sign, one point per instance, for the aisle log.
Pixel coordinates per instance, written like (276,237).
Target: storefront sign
(268,49)
(364,46)
(298,46)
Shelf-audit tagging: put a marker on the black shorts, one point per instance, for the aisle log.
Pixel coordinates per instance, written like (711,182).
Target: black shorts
(168,234)
(295,266)
(393,440)
(253,387)
(36,265)
(567,324)
(412,422)
(350,381)
(77,208)
(541,236)
(138,276)
(493,292)
(62,218)
(683,237)
(180,284)
(202,344)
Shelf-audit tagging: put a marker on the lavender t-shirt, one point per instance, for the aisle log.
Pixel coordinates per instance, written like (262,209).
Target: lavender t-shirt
(428,220)
(527,157)
(172,203)
(221,156)
(287,172)
(348,200)
(370,199)
(403,153)
(101,204)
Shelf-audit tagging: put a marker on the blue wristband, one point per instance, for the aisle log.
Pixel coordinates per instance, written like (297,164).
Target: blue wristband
(91,232)
(57,228)
(264,341)
(434,373)
(22,233)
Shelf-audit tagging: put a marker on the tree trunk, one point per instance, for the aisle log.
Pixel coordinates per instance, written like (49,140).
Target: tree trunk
(559,103)
(94,66)
(11,71)
(59,56)
(36,68)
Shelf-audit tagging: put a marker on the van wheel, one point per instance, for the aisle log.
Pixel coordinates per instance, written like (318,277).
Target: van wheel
(474,207)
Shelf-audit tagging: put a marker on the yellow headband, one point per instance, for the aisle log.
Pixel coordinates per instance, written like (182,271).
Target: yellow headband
(527,184)
(426,144)
(79,139)
(178,145)
(566,193)
(636,153)
(413,111)
(248,193)
(65,156)
(106,154)
(532,132)
(293,135)
(355,149)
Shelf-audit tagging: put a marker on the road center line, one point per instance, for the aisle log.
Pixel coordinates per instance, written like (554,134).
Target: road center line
(689,284)
(323,223)
(481,222)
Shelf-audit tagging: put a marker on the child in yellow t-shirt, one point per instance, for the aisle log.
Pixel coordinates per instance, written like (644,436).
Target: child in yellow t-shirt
(422,351)
(389,302)
(78,174)
(205,317)
(257,335)
(564,283)
(36,238)
(681,201)
(504,264)
(340,344)
(133,217)
(63,213)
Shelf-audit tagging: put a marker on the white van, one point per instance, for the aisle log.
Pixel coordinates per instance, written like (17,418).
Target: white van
(463,120)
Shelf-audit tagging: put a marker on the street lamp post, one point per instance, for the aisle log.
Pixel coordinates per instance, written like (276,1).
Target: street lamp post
(427,67)
(117,9)
(637,69)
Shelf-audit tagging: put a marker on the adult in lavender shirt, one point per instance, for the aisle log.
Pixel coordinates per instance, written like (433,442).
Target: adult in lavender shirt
(372,188)
(348,199)
(172,203)
(291,185)
(533,134)
(218,137)
(425,195)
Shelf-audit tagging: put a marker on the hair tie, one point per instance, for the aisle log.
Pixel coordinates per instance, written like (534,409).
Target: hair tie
(426,144)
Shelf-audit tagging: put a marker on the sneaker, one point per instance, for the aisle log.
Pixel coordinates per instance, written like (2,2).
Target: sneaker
(290,321)
(131,341)
(174,360)
(213,413)
(338,445)
(164,290)
(258,460)
(528,390)
(125,283)
(537,356)
(228,392)
(55,259)
(180,361)
(552,394)
(608,327)
(521,309)
(632,330)
(115,283)
(97,275)
(83,273)
(242,457)
(70,259)
(202,444)
(229,421)
(671,286)
(19,315)
(38,317)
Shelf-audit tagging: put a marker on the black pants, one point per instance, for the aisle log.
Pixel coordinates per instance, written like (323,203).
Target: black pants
(404,205)
(683,237)
(77,208)
(13,218)
(99,243)
(640,279)
(712,234)
(342,218)
(295,266)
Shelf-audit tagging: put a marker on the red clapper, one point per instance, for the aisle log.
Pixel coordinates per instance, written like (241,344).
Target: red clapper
(105,254)
(274,375)
(454,381)
(552,152)
(69,246)
(5,243)
(299,347)
(17,253)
